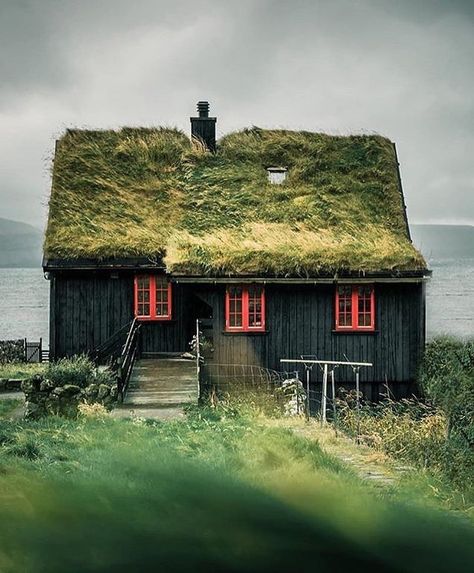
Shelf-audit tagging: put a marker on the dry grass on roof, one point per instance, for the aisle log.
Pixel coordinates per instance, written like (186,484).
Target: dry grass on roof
(148,192)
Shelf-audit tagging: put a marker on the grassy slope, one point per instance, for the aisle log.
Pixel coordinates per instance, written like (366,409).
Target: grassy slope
(150,192)
(216,492)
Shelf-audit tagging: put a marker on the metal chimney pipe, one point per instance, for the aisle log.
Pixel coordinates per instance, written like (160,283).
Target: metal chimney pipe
(203,108)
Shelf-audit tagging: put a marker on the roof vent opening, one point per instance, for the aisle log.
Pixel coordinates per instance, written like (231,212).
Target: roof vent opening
(277,175)
(203,108)
(203,127)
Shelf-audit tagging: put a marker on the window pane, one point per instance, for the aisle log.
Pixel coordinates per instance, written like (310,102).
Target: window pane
(364,319)
(162,302)
(143,282)
(235,318)
(143,296)
(255,306)
(345,305)
(143,310)
(364,306)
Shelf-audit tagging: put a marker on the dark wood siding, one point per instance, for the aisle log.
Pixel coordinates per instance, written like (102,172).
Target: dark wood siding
(300,321)
(87,308)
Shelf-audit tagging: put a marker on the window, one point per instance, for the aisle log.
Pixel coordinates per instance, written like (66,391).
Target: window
(152,297)
(245,309)
(276,175)
(355,307)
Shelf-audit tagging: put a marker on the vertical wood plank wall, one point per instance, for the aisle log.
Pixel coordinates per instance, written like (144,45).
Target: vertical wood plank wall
(88,308)
(300,321)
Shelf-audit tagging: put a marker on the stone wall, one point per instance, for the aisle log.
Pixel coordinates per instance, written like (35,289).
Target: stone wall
(10,384)
(44,397)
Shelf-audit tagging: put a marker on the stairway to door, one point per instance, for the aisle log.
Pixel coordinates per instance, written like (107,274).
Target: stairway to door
(159,388)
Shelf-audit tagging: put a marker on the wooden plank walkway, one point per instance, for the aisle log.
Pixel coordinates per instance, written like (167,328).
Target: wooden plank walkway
(159,388)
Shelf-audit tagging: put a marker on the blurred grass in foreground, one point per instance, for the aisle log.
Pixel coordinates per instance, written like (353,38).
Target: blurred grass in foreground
(220,491)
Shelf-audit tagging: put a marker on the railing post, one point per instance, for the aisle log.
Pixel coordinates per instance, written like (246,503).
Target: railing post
(198,358)
(323,397)
(334,410)
(358,404)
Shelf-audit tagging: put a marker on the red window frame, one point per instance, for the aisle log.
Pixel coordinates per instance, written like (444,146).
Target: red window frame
(245,308)
(355,308)
(153,297)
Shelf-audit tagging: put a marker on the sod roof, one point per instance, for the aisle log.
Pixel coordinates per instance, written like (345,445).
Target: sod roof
(154,193)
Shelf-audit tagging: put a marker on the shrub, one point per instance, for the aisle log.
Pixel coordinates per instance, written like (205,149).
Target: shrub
(447,378)
(12,351)
(78,370)
(435,433)
(67,383)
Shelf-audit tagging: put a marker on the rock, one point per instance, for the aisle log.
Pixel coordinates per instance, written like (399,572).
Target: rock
(33,411)
(46,386)
(71,390)
(31,384)
(294,397)
(58,391)
(104,391)
(92,390)
(14,384)
(114,392)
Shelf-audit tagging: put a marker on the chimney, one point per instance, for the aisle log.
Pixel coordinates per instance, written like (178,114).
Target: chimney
(204,127)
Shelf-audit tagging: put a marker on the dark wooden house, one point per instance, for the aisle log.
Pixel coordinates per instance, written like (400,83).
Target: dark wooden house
(282,243)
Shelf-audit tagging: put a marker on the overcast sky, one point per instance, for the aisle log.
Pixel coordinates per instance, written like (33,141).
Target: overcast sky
(400,68)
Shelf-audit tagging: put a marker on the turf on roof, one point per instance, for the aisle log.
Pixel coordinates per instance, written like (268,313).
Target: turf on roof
(149,192)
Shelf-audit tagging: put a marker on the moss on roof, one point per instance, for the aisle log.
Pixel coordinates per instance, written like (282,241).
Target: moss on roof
(148,192)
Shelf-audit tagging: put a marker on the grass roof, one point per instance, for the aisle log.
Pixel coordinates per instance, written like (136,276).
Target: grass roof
(151,192)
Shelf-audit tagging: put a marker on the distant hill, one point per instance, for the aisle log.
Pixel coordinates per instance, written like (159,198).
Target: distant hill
(20,244)
(444,241)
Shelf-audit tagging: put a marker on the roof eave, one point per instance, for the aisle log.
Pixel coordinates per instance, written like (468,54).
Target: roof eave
(110,263)
(156,264)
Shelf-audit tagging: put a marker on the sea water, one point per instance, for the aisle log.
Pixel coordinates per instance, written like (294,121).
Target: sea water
(24,301)
(450,298)
(24,305)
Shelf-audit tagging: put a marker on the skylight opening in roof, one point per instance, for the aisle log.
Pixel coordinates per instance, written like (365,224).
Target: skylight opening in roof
(277,175)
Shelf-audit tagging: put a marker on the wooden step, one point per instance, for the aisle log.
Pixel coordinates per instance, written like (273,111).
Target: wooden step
(160,384)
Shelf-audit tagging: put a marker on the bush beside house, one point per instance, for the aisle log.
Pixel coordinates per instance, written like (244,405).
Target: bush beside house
(435,432)
(66,384)
(12,351)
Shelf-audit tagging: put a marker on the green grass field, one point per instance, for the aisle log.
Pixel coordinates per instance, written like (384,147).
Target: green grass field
(20,370)
(223,490)
(7,406)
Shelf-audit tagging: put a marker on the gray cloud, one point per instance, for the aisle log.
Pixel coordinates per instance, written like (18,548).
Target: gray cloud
(398,68)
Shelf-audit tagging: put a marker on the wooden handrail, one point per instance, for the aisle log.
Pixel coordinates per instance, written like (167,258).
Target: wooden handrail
(120,355)
(127,359)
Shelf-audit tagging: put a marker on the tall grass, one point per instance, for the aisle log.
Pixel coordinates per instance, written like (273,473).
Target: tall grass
(437,432)
(220,491)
